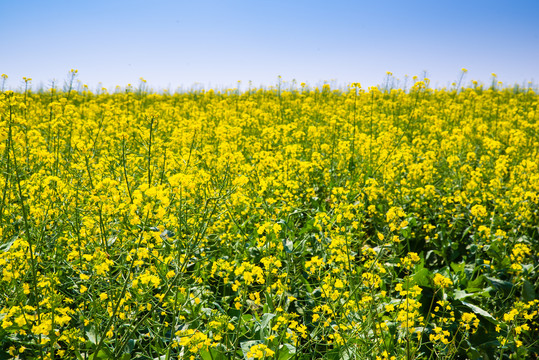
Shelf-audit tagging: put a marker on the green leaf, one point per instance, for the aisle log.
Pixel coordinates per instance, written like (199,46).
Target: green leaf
(468,229)
(498,284)
(528,292)
(477,283)
(264,324)
(332,355)
(473,354)
(458,267)
(478,311)
(103,354)
(212,354)
(93,336)
(306,283)
(461,294)
(286,351)
(288,245)
(5,247)
(405,232)
(269,301)
(423,277)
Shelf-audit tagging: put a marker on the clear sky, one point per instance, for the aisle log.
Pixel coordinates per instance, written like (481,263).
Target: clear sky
(175,44)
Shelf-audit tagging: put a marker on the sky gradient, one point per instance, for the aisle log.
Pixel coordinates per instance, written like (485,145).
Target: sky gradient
(175,44)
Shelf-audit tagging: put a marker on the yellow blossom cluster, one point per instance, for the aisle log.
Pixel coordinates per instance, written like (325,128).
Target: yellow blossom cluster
(281,222)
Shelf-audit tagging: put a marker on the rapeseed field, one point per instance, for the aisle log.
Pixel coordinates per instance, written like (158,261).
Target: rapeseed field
(287,222)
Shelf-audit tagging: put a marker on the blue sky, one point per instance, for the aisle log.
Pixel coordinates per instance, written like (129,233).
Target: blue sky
(175,44)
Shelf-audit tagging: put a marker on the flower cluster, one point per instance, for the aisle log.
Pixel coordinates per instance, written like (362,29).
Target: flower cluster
(282,222)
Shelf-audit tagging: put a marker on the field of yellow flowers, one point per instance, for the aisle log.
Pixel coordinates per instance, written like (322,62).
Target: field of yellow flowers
(278,223)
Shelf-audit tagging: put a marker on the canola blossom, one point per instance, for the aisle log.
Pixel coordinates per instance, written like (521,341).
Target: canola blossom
(277,223)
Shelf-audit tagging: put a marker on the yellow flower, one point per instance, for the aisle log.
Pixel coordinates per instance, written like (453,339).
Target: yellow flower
(260,351)
(479,211)
(110,333)
(441,281)
(469,320)
(339,284)
(510,316)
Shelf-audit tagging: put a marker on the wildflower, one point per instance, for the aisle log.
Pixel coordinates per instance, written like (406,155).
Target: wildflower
(479,211)
(469,320)
(409,261)
(260,351)
(110,333)
(441,281)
